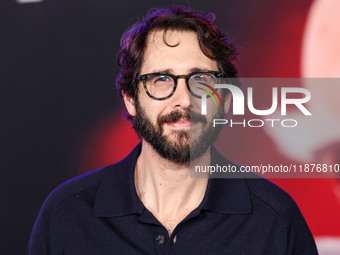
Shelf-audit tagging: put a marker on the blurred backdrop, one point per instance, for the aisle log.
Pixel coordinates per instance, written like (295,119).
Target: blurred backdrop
(61,115)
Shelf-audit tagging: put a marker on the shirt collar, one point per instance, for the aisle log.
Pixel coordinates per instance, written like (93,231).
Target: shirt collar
(117,196)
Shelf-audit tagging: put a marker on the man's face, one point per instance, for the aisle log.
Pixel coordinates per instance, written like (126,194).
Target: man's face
(174,126)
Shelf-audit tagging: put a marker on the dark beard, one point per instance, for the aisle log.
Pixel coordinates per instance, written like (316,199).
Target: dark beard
(181,149)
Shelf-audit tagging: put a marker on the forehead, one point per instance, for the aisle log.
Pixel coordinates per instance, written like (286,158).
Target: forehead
(178,51)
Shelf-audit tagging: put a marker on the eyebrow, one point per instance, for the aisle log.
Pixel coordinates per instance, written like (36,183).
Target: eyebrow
(170,71)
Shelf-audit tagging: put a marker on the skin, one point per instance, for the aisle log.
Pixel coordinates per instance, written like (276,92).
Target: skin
(165,188)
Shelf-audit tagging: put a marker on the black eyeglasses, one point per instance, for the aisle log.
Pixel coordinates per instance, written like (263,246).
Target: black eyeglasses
(160,86)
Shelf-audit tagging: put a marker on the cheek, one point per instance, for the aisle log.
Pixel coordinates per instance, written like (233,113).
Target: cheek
(152,108)
(212,107)
(195,104)
(214,112)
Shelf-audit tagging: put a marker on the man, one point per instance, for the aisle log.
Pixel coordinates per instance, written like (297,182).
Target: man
(147,203)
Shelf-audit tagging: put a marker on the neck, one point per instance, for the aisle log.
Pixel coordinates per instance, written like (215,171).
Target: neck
(165,188)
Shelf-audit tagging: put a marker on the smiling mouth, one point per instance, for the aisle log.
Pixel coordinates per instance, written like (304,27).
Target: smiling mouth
(181,120)
(181,123)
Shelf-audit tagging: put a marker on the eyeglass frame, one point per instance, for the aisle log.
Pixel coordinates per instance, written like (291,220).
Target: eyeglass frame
(143,78)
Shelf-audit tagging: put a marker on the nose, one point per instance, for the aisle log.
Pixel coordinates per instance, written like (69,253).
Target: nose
(181,97)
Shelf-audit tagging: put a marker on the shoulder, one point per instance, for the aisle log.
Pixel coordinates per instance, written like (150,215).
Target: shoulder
(269,199)
(71,200)
(85,183)
(90,182)
(264,195)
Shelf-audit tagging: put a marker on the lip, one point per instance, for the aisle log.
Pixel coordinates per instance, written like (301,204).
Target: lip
(181,124)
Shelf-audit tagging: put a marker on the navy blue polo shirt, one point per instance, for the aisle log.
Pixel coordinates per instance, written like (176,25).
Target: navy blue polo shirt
(100,213)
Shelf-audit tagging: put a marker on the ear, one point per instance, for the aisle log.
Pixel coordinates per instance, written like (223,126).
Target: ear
(130,105)
(227,102)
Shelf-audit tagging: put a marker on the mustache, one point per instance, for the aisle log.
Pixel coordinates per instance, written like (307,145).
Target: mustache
(181,115)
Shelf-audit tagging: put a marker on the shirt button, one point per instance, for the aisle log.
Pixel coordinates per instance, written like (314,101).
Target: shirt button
(160,240)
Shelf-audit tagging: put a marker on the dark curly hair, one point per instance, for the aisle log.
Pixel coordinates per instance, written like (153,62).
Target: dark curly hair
(213,43)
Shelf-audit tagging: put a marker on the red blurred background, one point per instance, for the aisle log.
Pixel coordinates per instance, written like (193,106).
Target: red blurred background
(61,115)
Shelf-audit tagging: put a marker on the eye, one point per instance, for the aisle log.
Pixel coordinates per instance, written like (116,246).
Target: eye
(161,78)
(198,78)
(202,77)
